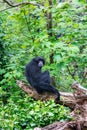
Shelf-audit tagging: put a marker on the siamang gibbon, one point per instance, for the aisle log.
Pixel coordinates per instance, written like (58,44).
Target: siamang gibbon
(38,79)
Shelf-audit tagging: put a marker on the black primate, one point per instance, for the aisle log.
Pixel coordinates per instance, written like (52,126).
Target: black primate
(38,79)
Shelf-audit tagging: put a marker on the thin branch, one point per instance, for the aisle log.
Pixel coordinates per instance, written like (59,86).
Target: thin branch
(26,21)
(5,9)
(19,4)
(84,75)
(70,73)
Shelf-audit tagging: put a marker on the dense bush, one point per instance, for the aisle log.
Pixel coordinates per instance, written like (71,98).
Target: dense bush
(22,112)
(65,51)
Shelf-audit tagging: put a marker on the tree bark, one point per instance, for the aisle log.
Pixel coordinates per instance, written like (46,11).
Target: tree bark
(49,19)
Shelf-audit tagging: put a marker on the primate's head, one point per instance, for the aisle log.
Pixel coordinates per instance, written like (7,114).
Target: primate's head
(40,61)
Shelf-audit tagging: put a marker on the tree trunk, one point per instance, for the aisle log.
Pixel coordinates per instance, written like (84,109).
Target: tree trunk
(49,19)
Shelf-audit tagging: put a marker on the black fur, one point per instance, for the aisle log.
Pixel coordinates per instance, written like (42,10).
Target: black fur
(38,79)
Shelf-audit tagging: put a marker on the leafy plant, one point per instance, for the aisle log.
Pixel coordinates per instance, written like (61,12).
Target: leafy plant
(25,113)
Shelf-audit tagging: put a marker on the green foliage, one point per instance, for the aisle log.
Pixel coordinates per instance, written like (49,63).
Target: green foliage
(24,35)
(22,112)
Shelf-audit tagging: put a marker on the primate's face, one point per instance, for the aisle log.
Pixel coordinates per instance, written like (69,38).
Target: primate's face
(40,64)
(40,61)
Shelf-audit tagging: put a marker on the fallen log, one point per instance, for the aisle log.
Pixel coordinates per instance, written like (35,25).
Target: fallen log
(67,99)
(77,102)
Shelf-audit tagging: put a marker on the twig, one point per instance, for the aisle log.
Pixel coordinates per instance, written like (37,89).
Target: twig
(19,4)
(70,73)
(5,9)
